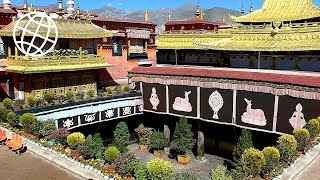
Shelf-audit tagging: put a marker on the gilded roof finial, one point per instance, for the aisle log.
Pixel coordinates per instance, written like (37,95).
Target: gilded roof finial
(242,10)
(201,15)
(223,19)
(60,9)
(146,14)
(251,8)
(198,13)
(169,17)
(25,7)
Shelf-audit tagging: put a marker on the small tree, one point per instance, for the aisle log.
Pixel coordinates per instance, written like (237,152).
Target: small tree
(48,97)
(287,146)
(8,103)
(252,161)
(75,139)
(159,169)
(182,140)
(70,96)
(121,136)
(126,163)
(272,157)
(144,134)
(244,142)
(111,154)
(27,119)
(220,173)
(313,128)
(12,119)
(18,103)
(157,141)
(31,101)
(302,136)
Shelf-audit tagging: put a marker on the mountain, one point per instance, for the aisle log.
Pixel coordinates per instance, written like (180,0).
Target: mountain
(160,16)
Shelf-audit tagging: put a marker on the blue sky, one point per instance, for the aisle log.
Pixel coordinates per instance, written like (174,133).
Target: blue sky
(153,4)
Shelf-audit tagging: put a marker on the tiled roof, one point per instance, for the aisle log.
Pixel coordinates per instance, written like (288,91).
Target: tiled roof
(123,20)
(7,11)
(282,10)
(311,79)
(72,29)
(194,21)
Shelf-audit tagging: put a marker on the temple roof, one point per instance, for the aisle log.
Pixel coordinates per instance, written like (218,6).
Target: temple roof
(194,21)
(282,10)
(71,29)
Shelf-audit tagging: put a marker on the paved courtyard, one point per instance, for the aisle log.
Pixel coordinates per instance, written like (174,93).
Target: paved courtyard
(29,167)
(202,169)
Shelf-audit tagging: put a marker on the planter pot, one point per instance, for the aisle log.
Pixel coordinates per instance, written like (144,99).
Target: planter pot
(158,154)
(75,153)
(143,147)
(266,176)
(112,169)
(184,159)
(51,143)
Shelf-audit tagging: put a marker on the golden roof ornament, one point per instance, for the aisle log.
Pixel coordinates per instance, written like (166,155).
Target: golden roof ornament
(242,10)
(251,8)
(146,14)
(169,17)
(198,13)
(223,19)
(25,7)
(60,9)
(201,15)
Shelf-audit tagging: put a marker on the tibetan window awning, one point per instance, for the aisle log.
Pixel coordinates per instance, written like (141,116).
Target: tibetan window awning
(138,34)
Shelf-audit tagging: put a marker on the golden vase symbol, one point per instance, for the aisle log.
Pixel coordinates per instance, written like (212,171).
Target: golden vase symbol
(154,100)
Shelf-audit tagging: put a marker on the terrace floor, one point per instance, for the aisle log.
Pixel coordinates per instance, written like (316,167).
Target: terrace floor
(202,169)
(29,167)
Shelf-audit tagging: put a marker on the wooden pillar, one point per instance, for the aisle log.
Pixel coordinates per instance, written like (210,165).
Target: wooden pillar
(101,50)
(16,52)
(80,51)
(146,46)
(9,49)
(128,49)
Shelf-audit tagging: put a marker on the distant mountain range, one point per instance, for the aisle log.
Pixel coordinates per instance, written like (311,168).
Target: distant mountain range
(160,16)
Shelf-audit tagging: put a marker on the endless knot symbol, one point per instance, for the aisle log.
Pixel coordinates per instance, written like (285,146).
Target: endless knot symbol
(40,26)
(67,123)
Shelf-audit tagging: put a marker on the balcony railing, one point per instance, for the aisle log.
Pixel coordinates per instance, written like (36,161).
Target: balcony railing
(55,63)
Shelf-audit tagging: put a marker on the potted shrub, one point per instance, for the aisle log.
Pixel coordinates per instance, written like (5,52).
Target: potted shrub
(121,136)
(140,172)
(31,101)
(18,104)
(3,113)
(287,146)
(302,136)
(110,156)
(244,142)
(74,140)
(252,161)
(220,173)
(125,164)
(59,136)
(46,128)
(27,119)
(182,140)
(272,157)
(157,142)
(8,103)
(313,128)
(48,97)
(159,169)
(12,119)
(144,134)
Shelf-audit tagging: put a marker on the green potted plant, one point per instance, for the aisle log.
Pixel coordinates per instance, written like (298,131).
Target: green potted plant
(27,120)
(157,142)
(220,173)
(121,136)
(144,134)
(182,140)
(159,169)
(252,161)
(8,103)
(110,156)
(74,140)
(244,142)
(302,136)
(313,128)
(287,146)
(126,164)
(272,157)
